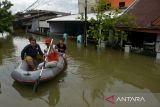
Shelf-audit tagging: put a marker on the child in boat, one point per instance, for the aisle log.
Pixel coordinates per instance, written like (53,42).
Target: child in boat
(52,57)
(61,48)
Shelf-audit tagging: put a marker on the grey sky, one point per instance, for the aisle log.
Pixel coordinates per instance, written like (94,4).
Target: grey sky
(55,5)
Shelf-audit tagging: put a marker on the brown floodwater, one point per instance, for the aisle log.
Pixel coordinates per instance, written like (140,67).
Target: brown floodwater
(90,76)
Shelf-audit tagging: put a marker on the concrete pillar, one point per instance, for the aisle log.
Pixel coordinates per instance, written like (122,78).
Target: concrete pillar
(11,28)
(157,47)
(103,44)
(127,48)
(26,29)
(42,30)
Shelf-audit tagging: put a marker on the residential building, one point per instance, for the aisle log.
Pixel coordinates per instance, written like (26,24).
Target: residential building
(71,24)
(91,4)
(146,36)
(121,4)
(35,20)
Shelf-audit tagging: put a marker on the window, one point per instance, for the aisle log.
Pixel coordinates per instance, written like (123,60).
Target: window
(108,6)
(121,5)
(92,10)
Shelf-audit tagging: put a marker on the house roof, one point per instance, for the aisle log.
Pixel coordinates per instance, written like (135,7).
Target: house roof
(44,18)
(146,12)
(42,14)
(76,17)
(156,22)
(42,11)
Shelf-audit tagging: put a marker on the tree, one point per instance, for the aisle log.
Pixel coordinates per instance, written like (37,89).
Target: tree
(104,27)
(5,16)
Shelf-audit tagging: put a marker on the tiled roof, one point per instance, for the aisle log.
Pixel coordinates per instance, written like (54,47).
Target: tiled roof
(146,12)
(156,22)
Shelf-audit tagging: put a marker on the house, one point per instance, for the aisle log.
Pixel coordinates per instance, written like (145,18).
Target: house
(121,4)
(35,20)
(91,4)
(71,24)
(147,35)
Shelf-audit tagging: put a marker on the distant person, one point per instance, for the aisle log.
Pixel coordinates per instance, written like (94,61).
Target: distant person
(65,36)
(79,39)
(32,52)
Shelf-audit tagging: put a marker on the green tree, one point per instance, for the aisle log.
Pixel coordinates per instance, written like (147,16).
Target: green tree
(104,27)
(5,16)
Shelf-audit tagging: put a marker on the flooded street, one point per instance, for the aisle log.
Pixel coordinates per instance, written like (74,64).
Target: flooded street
(91,74)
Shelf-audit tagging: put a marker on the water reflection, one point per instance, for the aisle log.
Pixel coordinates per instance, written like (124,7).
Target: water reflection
(79,45)
(91,75)
(0,89)
(139,71)
(48,93)
(6,48)
(54,95)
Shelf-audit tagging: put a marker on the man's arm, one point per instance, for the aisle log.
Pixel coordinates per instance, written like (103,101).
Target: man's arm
(23,52)
(39,50)
(65,47)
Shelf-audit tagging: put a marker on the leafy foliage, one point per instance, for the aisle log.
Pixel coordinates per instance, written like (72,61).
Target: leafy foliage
(104,27)
(5,16)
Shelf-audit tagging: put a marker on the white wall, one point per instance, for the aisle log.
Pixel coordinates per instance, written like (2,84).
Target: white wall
(158,44)
(158,47)
(34,25)
(43,24)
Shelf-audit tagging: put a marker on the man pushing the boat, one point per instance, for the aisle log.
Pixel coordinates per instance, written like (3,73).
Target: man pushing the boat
(32,52)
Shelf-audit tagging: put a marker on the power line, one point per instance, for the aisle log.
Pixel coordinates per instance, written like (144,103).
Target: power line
(40,4)
(31,5)
(36,5)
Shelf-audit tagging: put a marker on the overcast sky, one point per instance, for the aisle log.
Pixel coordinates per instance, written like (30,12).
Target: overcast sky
(55,5)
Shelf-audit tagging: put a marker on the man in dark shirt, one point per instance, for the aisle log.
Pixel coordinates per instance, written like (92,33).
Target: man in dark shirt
(30,52)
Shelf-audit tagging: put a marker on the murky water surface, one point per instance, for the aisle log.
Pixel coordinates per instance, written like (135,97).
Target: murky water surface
(91,74)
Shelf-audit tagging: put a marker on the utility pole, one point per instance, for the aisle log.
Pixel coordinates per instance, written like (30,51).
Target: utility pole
(38,22)
(85,24)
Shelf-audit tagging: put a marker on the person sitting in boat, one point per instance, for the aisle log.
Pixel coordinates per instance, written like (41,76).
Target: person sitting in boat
(52,57)
(61,47)
(32,52)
